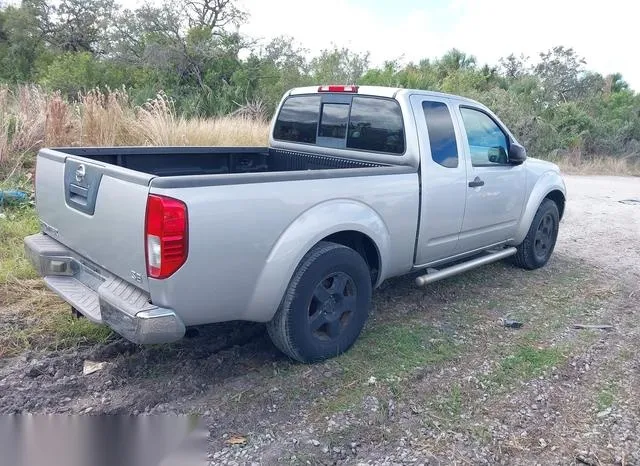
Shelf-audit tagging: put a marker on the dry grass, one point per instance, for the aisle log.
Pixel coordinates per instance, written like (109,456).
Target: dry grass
(22,123)
(157,124)
(31,317)
(602,165)
(31,118)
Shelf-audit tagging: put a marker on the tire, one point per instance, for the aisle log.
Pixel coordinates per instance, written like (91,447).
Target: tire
(325,306)
(536,249)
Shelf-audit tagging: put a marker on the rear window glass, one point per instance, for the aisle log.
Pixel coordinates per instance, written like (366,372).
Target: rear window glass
(298,119)
(334,121)
(442,137)
(376,125)
(369,123)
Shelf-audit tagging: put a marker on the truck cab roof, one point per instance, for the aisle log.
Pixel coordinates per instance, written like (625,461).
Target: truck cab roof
(386,91)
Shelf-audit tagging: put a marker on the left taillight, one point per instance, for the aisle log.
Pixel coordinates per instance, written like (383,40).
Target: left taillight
(166,235)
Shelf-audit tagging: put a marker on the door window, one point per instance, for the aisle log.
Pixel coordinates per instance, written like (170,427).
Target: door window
(442,137)
(487,142)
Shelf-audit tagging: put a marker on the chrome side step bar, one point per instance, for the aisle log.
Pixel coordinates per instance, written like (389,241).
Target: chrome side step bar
(431,277)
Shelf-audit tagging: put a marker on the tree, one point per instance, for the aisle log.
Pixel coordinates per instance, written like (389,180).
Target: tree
(338,66)
(513,67)
(214,15)
(192,51)
(615,83)
(21,43)
(80,25)
(137,33)
(560,70)
(455,60)
(272,69)
(191,40)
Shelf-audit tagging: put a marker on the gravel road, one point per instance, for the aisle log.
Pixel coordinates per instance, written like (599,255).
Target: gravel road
(602,224)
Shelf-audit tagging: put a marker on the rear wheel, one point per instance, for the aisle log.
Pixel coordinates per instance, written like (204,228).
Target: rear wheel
(326,304)
(536,249)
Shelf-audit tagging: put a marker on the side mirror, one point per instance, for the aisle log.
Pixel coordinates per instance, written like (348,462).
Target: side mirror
(517,154)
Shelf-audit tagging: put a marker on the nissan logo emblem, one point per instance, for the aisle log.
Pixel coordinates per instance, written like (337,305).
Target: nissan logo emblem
(80,172)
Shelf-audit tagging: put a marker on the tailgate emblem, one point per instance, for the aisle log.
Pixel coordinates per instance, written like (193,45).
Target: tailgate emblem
(80,172)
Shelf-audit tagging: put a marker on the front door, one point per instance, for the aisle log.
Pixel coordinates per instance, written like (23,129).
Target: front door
(495,188)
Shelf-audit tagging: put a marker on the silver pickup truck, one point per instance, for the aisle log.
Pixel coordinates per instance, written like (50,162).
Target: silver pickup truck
(358,184)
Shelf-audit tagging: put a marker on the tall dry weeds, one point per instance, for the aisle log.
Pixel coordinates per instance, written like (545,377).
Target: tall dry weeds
(4,124)
(600,165)
(31,118)
(157,124)
(59,129)
(22,123)
(104,118)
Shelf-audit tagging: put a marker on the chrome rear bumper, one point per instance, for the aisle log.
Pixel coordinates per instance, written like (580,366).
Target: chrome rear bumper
(100,296)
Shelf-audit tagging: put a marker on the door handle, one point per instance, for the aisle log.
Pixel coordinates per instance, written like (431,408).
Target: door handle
(476,183)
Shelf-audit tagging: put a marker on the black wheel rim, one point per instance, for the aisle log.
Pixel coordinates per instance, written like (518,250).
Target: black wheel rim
(332,306)
(544,238)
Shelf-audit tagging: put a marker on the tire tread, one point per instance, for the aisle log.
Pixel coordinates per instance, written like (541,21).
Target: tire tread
(279,328)
(524,255)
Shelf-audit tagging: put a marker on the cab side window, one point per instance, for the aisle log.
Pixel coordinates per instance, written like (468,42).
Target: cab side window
(488,144)
(442,137)
(376,125)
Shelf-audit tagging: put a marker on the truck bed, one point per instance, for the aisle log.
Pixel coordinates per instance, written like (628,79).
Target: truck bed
(93,200)
(180,161)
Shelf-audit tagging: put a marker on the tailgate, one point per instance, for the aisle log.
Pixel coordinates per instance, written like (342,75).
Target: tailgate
(96,209)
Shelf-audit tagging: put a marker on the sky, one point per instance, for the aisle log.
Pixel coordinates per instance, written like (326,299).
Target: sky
(604,33)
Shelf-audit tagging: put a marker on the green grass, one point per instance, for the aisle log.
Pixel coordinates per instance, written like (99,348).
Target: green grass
(606,395)
(54,328)
(391,348)
(450,404)
(35,319)
(388,352)
(15,224)
(526,363)
(605,399)
(70,331)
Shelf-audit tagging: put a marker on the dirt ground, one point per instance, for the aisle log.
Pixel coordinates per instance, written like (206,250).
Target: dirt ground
(599,229)
(434,379)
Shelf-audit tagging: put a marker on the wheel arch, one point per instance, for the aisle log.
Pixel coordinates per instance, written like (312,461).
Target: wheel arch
(363,245)
(549,185)
(343,221)
(558,197)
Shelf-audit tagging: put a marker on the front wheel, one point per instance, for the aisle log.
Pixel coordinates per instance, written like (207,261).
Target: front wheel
(326,304)
(534,252)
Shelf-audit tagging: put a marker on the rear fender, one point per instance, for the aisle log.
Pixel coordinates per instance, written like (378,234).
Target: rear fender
(546,183)
(301,235)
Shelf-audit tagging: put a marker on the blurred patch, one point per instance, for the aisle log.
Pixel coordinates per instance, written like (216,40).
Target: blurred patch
(84,440)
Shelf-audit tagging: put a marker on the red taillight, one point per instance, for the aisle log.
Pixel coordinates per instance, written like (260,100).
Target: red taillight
(165,235)
(338,88)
